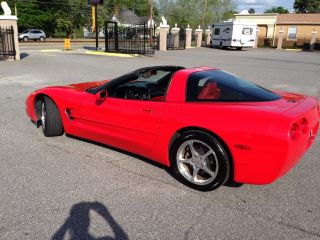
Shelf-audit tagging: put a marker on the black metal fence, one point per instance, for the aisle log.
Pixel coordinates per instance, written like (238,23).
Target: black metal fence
(177,41)
(7,45)
(135,39)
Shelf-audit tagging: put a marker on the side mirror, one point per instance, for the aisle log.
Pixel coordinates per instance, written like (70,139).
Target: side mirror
(101,96)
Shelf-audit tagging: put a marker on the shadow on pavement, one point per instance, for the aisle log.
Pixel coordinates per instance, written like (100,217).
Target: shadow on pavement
(23,55)
(76,226)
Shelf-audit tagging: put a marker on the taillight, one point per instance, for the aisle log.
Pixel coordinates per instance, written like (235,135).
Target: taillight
(294,131)
(298,128)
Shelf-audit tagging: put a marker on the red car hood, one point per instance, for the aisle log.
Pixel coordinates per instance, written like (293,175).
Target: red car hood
(83,86)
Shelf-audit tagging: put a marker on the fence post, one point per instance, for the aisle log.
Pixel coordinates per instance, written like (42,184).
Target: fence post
(313,40)
(208,36)
(106,45)
(116,37)
(188,37)
(163,37)
(199,33)
(280,39)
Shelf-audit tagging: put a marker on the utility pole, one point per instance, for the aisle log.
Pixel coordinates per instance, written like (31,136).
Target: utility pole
(97,27)
(15,8)
(204,13)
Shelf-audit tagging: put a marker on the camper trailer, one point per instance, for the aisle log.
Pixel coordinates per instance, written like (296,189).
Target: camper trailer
(235,34)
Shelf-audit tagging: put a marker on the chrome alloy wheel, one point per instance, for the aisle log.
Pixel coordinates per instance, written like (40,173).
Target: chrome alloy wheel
(43,115)
(197,162)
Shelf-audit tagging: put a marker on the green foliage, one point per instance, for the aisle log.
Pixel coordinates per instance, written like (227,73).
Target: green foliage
(190,12)
(310,6)
(65,17)
(279,9)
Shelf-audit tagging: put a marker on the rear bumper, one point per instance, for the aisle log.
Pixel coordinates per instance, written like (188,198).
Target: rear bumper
(280,152)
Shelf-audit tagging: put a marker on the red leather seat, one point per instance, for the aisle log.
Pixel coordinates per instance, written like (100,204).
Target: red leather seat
(210,91)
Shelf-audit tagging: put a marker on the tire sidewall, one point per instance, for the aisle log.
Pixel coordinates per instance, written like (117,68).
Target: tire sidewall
(222,156)
(45,127)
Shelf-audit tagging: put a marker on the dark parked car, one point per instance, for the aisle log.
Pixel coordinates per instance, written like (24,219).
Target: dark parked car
(32,34)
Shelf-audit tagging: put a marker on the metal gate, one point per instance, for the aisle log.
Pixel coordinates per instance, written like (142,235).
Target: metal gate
(135,39)
(177,41)
(7,46)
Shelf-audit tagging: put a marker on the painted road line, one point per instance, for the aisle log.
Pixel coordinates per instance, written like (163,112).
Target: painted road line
(51,50)
(111,54)
(294,50)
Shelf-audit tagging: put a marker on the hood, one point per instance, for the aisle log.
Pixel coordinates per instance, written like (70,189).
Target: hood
(86,85)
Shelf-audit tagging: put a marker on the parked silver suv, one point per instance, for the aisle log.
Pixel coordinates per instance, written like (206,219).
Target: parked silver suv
(32,34)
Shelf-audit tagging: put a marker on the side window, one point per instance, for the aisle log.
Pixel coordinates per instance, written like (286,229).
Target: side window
(203,89)
(33,32)
(292,33)
(217,31)
(220,86)
(247,31)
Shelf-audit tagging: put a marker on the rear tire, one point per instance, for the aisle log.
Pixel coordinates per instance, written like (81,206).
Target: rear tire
(199,161)
(41,39)
(238,48)
(50,118)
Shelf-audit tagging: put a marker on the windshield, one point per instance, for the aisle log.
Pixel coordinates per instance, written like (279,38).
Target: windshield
(221,86)
(26,31)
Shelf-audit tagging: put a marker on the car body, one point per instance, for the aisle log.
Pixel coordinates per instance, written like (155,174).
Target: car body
(259,134)
(32,34)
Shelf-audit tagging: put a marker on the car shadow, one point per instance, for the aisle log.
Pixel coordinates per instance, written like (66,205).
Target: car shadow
(230,183)
(76,226)
(149,161)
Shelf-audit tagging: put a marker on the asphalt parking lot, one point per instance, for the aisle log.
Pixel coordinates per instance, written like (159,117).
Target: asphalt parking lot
(58,188)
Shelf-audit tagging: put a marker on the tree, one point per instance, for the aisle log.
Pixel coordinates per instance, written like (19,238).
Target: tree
(310,6)
(252,11)
(192,12)
(279,9)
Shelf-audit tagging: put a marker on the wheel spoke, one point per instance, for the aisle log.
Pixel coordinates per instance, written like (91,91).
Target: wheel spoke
(194,174)
(207,154)
(207,170)
(192,149)
(185,160)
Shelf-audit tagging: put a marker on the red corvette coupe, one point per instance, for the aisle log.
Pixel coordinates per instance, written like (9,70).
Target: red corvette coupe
(208,125)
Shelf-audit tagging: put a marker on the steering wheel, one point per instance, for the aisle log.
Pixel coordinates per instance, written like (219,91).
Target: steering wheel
(144,94)
(132,93)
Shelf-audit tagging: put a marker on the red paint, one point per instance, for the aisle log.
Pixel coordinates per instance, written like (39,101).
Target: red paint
(256,133)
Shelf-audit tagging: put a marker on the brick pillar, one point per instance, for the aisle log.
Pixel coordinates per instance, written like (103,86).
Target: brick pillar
(7,22)
(188,37)
(257,38)
(199,33)
(175,32)
(208,36)
(313,40)
(164,29)
(280,39)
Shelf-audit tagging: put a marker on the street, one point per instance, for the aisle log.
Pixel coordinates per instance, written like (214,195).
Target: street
(54,188)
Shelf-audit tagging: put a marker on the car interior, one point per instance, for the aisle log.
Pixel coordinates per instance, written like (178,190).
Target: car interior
(148,84)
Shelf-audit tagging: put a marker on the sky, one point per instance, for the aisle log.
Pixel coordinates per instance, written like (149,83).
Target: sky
(261,5)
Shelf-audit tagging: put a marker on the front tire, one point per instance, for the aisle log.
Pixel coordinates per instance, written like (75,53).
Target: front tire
(25,39)
(200,161)
(50,118)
